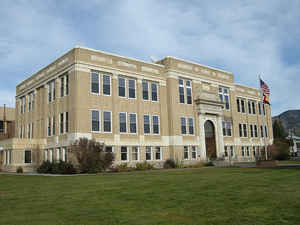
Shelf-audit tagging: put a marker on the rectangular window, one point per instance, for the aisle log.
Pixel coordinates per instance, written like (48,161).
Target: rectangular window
(95,121)
(132,123)
(51,91)
(66,122)
(67,85)
(123,122)
(255,131)
(27,158)
(259,108)
(53,125)
(245,130)
(135,153)
(194,156)
(253,107)
(227,128)
(46,155)
(106,84)
(49,126)
(241,130)
(62,86)
(61,123)
(183,125)
(243,106)
(145,90)
(264,109)
(148,153)
(181,91)
(122,87)
(249,107)
(154,91)
(146,124)
(266,131)
(224,96)
(248,151)
(50,155)
(155,121)
(224,128)
(251,130)
(64,154)
(158,155)
(1,126)
(131,89)
(186,152)
(243,151)
(191,126)
(29,102)
(238,105)
(107,121)
(188,91)
(124,153)
(95,84)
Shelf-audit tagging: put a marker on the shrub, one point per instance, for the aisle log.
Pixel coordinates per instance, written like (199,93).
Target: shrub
(56,168)
(197,165)
(123,168)
(280,149)
(91,156)
(210,163)
(169,163)
(144,166)
(19,169)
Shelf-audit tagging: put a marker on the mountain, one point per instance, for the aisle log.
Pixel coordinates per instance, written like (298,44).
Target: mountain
(290,120)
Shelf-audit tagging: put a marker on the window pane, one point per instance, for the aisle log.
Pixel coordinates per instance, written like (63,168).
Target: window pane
(243,106)
(193,152)
(106,84)
(188,83)
(224,128)
(146,124)
(157,153)
(107,121)
(121,87)
(240,129)
(1,126)
(155,121)
(145,90)
(180,82)
(228,128)
(245,130)
(181,94)
(226,102)
(191,126)
(238,105)
(27,156)
(189,95)
(122,118)
(148,153)
(95,121)
(124,154)
(95,82)
(183,125)
(154,91)
(132,119)
(131,84)
(186,152)
(135,153)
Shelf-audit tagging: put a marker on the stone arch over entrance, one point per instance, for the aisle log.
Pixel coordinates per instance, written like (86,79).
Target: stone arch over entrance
(210,139)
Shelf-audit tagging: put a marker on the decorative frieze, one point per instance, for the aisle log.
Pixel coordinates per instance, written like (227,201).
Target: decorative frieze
(185,66)
(128,65)
(101,59)
(149,70)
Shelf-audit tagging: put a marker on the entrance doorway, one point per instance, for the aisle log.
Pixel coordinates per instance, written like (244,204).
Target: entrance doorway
(210,140)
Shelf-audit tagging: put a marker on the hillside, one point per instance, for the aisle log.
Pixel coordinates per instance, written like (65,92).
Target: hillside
(290,120)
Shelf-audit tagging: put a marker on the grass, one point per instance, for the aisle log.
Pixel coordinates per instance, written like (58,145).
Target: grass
(289,162)
(226,196)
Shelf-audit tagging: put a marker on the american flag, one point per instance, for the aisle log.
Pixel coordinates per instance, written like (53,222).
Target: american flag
(264,87)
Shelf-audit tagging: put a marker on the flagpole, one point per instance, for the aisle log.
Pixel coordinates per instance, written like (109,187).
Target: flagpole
(263,118)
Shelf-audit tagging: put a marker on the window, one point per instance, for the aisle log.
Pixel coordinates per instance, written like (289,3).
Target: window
(251,107)
(248,151)
(1,126)
(95,121)
(106,84)
(243,105)
(57,154)
(183,125)
(107,121)
(264,109)
(62,86)
(27,156)
(50,155)
(148,153)
(224,96)
(231,151)
(53,125)
(194,156)
(181,91)
(124,153)
(95,84)
(61,123)
(225,151)
(132,123)
(243,130)
(30,131)
(67,85)
(122,86)
(154,90)
(49,126)
(240,105)
(186,152)
(266,131)
(145,90)
(188,91)
(158,155)
(131,89)
(227,128)
(259,108)
(123,121)
(146,124)
(251,130)
(243,151)
(191,126)
(255,131)
(155,121)
(22,105)
(135,153)
(51,91)
(261,131)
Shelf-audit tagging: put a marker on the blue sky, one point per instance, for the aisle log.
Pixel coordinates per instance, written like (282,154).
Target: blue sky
(245,37)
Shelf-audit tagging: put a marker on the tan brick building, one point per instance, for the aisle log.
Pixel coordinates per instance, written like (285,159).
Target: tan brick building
(141,111)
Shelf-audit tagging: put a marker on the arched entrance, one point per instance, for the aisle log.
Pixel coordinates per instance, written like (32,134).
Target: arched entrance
(210,139)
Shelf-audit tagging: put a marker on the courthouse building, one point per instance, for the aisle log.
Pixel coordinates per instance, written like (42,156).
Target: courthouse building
(141,111)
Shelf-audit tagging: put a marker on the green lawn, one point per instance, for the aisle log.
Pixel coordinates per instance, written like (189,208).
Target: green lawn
(225,196)
(289,162)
